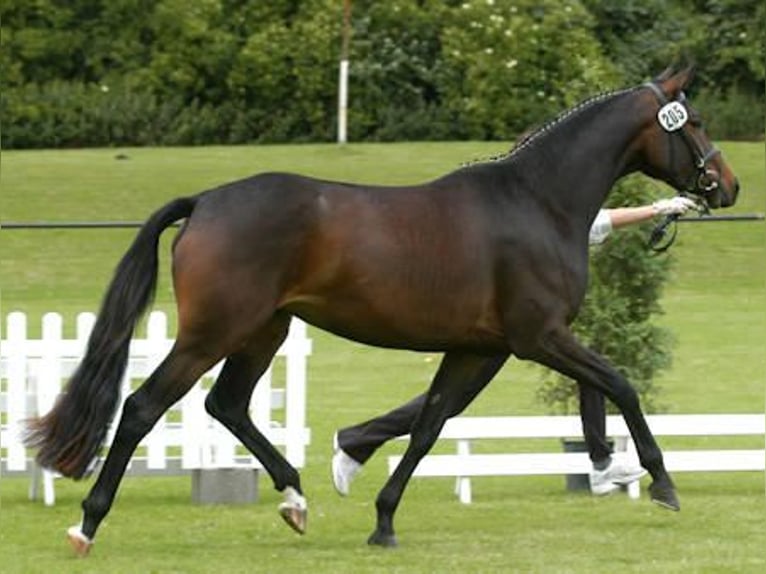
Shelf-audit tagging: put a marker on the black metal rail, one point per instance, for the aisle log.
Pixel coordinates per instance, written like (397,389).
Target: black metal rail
(72,224)
(735,217)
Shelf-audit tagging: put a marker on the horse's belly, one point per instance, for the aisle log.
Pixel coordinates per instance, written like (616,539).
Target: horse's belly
(423,329)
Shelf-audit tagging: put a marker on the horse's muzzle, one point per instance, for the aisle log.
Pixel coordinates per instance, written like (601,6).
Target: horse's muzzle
(723,195)
(730,198)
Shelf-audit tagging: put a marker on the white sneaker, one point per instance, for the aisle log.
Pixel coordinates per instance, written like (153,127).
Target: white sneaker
(344,468)
(614,476)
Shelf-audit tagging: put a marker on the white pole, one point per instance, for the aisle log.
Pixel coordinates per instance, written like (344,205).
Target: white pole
(343,73)
(342,101)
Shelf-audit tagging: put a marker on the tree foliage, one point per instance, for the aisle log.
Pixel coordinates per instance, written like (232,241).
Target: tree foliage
(116,72)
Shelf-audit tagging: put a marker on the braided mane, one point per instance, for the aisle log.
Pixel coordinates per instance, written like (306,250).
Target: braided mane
(530,139)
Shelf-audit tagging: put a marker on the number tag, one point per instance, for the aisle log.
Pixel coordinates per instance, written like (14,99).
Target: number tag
(672,116)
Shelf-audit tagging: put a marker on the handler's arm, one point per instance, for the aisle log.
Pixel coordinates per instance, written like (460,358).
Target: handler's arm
(623,216)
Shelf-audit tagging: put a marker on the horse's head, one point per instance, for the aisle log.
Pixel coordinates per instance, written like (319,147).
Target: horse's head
(676,148)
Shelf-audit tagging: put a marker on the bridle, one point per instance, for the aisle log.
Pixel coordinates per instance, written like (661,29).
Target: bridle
(707,178)
(673,117)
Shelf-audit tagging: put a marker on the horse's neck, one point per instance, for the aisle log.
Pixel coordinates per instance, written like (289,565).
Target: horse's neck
(577,163)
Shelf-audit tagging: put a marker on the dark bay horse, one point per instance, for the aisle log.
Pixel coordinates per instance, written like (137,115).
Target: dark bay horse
(486,262)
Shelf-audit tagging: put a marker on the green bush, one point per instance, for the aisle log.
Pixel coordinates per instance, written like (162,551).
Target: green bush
(69,114)
(469,70)
(732,115)
(507,66)
(396,72)
(621,304)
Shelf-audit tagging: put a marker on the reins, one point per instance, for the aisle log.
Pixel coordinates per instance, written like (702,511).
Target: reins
(657,236)
(657,241)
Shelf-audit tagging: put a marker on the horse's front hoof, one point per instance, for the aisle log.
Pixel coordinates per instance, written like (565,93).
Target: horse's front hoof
(294,510)
(664,496)
(80,543)
(385,540)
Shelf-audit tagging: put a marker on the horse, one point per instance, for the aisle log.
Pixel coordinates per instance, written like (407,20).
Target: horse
(483,263)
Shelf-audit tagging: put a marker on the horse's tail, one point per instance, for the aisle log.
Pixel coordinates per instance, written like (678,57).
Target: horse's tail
(70,436)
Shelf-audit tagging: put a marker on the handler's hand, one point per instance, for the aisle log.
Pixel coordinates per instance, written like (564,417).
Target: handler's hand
(674,206)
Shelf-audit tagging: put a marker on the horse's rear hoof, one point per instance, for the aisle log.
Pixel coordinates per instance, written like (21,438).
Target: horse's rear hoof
(294,516)
(80,543)
(384,540)
(664,496)
(294,510)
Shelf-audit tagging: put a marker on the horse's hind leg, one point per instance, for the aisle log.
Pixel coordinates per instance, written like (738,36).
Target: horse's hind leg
(228,402)
(561,351)
(141,410)
(459,379)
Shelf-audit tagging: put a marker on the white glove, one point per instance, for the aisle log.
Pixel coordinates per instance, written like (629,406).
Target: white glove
(674,206)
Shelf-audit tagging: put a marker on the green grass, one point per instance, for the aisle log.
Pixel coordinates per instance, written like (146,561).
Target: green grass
(715,305)
(514,525)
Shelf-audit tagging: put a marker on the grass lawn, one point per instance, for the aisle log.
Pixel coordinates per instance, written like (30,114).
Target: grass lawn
(715,305)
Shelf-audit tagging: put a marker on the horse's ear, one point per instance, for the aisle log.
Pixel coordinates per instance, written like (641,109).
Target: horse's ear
(674,82)
(665,76)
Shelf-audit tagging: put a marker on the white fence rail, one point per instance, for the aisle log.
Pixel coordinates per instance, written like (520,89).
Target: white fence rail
(33,372)
(465,464)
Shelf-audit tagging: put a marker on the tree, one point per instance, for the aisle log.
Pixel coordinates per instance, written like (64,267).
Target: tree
(512,62)
(158,72)
(724,37)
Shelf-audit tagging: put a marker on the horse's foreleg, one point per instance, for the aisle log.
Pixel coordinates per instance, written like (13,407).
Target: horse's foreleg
(141,410)
(457,382)
(560,350)
(228,402)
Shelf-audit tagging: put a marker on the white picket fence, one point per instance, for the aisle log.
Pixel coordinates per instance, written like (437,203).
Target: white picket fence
(33,372)
(466,463)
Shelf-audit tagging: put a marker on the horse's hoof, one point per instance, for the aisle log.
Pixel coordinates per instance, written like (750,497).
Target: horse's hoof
(80,543)
(384,540)
(294,510)
(294,516)
(664,496)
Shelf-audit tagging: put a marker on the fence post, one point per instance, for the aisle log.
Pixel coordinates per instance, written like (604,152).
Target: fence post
(50,374)
(47,390)
(260,402)
(17,389)
(193,423)
(295,392)
(156,335)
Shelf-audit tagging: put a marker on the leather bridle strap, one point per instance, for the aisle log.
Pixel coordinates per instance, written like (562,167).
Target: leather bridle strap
(707,179)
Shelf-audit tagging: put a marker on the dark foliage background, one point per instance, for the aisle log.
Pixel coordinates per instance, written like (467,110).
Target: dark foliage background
(162,72)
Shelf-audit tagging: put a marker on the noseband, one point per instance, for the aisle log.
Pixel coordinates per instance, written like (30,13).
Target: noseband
(673,117)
